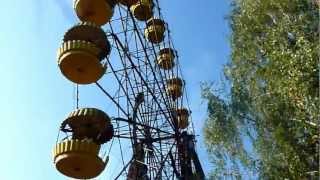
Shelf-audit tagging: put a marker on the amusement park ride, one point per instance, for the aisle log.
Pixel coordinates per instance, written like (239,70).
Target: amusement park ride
(148,95)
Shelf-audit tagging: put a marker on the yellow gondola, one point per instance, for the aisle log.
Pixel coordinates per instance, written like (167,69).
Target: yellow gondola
(128,2)
(182,118)
(174,88)
(88,31)
(165,58)
(78,159)
(154,31)
(96,11)
(89,123)
(79,62)
(142,10)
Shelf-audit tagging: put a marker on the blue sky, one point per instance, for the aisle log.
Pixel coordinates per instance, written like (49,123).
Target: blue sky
(35,96)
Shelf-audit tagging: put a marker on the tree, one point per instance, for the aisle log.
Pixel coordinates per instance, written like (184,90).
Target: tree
(274,98)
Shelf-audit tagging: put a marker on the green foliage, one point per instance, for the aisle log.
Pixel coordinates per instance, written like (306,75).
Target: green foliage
(274,99)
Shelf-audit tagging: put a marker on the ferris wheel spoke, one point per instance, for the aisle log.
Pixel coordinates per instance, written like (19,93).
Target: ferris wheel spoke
(130,84)
(152,48)
(139,74)
(162,164)
(124,169)
(173,164)
(112,99)
(121,86)
(143,125)
(154,93)
(164,170)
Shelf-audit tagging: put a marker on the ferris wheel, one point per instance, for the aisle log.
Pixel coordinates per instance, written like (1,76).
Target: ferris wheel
(124,48)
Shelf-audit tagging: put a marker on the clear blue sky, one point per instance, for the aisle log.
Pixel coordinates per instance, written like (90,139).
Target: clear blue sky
(35,96)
